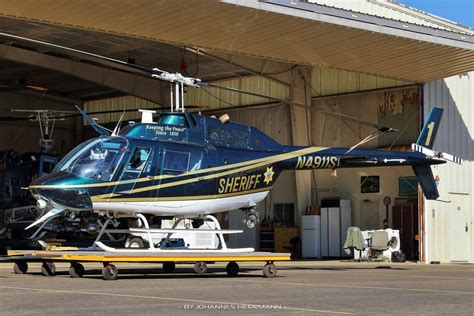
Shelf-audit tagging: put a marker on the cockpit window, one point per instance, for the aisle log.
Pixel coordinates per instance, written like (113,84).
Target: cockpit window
(139,159)
(178,120)
(175,162)
(98,159)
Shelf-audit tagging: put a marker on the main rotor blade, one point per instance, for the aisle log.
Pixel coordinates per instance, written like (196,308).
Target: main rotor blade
(107,61)
(15,118)
(356,120)
(44,111)
(342,116)
(255,94)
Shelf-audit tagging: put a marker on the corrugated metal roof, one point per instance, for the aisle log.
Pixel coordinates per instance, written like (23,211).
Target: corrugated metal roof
(396,11)
(277,29)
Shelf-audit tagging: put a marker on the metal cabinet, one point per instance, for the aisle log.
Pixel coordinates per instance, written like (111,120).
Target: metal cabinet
(334,223)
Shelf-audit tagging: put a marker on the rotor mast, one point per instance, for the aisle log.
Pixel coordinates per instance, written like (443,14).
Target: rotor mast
(177,82)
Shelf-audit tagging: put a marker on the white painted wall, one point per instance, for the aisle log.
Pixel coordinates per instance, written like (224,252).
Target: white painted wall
(347,186)
(445,240)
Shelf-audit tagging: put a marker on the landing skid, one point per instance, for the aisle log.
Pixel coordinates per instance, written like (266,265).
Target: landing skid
(170,250)
(148,232)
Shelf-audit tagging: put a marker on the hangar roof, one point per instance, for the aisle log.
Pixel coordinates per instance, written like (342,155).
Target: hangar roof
(392,10)
(285,30)
(15,75)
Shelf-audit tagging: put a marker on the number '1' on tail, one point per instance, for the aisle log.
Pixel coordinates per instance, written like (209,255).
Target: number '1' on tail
(428,133)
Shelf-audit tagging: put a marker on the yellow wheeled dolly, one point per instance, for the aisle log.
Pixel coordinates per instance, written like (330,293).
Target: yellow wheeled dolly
(168,259)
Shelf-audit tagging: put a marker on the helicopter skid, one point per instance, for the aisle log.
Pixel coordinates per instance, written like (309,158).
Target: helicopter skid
(162,236)
(170,250)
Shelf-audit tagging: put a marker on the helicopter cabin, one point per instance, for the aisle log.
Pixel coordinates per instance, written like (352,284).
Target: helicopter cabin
(201,129)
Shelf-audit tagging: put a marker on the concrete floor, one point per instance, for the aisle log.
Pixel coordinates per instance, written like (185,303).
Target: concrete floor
(304,287)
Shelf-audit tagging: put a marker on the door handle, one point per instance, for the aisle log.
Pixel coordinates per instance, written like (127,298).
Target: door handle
(466,228)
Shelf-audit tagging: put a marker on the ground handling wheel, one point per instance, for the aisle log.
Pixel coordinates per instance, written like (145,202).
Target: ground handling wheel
(200,267)
(48,269)
(232,269)
(270,270)
(20,267)
(135,242)
(76,270)
(169,266)
(109,272)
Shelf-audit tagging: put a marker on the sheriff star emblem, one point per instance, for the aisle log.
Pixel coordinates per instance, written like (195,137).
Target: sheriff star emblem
(268,175)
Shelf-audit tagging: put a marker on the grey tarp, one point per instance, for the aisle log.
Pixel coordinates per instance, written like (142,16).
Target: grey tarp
(354,240)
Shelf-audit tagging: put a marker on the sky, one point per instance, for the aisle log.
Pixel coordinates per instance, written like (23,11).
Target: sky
(460,11)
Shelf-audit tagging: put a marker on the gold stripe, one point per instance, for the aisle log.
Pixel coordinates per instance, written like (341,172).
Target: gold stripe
(145,179)
(269,161)
(105,196)
(103,184)
(97,198)
(296,153)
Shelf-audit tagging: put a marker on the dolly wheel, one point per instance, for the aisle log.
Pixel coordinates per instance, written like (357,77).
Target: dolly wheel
(270,270)
(48,269)
(20,267)
(232,269)
(169,266)
(110,272)
(76,270)
(200,267)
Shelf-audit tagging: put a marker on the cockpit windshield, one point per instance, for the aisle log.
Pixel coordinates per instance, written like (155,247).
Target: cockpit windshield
(97,159)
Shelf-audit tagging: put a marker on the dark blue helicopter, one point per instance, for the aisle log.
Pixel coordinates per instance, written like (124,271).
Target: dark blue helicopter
(190,165)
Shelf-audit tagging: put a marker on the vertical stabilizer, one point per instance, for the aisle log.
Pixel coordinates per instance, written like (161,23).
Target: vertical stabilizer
(428,133)
(426,181)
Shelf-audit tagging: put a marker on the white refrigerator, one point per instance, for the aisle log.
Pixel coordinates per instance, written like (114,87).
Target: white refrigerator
(311,236)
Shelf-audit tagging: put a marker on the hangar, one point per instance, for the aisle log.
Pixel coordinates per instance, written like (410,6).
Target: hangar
(376,60)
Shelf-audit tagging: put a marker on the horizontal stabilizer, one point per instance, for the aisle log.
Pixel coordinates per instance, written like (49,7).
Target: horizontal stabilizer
(436,154)
(427,182)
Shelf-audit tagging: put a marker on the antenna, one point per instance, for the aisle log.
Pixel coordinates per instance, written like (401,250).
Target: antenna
(147,115)
(117,128)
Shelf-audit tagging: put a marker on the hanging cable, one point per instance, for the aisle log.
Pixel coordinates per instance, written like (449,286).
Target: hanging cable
(215,96)
(247,109)
(184,65)
(279,72)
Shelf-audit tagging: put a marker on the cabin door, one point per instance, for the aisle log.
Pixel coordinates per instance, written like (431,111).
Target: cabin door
(136,174)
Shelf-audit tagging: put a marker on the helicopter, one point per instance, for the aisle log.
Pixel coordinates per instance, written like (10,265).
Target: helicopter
(192,165)
(189,165)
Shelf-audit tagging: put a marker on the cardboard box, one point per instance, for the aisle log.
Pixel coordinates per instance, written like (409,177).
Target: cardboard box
(283,236)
